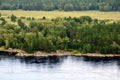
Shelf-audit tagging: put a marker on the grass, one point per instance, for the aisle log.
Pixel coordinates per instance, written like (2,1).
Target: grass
(76,52)
(2,48)
(54,14)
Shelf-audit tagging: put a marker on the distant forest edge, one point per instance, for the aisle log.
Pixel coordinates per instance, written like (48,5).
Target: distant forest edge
(66,5)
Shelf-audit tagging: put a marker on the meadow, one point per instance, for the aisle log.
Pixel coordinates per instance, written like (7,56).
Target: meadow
(53,14)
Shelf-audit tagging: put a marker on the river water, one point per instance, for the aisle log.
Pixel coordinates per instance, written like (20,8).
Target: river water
(59,68)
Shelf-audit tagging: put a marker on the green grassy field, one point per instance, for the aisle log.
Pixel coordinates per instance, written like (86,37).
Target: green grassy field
(54,14)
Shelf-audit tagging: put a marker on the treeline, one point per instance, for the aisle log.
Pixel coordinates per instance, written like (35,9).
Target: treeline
(66,5)
(84,34)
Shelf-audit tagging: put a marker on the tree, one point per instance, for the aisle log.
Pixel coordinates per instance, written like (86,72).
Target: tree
(84,19)
(119,8)
(6,6)
(69,7)
(3,21)
(107,8)
(21,24)
(13,18)
(2,42)
(0,14)
(44,18)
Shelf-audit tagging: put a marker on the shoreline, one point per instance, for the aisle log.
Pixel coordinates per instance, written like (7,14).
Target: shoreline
(96,55)
(20,53)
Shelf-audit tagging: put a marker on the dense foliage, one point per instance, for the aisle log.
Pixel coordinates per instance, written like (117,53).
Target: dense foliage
(67,5)
(84,34)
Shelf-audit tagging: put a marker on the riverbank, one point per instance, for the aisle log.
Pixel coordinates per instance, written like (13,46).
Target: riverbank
(44,54)
(96,55)
(65,53)
(20,53)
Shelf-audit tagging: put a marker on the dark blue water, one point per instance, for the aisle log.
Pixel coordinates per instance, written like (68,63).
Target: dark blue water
(59,68)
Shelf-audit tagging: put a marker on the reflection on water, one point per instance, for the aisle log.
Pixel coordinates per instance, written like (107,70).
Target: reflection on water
(59,68)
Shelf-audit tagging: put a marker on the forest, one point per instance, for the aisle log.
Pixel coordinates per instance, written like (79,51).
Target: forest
(65,5)
(83,34)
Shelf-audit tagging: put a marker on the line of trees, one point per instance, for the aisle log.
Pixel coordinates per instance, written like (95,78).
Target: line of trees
(84,34)
(66,5)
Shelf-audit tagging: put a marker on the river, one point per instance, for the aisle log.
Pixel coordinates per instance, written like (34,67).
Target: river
(59,68)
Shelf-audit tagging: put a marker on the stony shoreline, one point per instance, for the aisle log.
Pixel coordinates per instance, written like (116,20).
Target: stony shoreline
(20,53)
(43,54)
(97,55)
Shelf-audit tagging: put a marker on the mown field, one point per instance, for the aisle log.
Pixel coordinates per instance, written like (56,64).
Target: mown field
(54,14)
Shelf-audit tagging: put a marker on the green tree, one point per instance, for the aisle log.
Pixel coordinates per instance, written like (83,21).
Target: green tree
(69,7)
(6,6)
(3,21)
(21,24)
(107,8)
(0,14)
(13,18)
